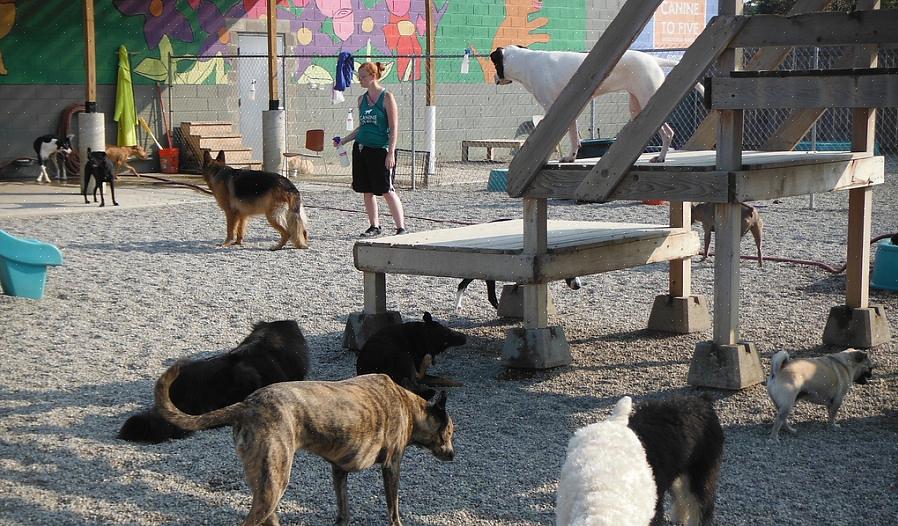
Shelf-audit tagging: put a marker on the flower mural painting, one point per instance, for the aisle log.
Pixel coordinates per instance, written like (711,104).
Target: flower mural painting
(162,18)
(402,37)
(7,20)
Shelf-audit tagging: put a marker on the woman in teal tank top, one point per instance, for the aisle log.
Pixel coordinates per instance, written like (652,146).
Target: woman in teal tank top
(373,155)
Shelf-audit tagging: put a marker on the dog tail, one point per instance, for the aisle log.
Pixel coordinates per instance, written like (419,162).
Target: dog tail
(622,410)
(777,363)
(297,221)
(168,410)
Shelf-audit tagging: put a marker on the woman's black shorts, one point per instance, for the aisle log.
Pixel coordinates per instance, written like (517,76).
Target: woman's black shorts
(369,175)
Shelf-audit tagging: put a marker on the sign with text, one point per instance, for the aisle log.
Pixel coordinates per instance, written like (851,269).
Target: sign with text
(678,22)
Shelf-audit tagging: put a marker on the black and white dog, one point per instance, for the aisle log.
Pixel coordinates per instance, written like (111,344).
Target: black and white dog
(51,146)
(273,352)
(683,442)
(100,167)
(545,73)
(573,283)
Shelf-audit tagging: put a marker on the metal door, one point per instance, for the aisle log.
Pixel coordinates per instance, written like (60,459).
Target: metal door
(252,83)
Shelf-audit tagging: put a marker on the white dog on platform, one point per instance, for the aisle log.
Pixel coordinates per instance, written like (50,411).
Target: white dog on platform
(546,73)
(606,479)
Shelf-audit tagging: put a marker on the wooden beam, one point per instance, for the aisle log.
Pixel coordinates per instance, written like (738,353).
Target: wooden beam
(272,56)
(430,63)
(592,72)
(857,272)
(705,136)
(536,296)
(759,185)
(679,275)
(820,29)
(632,139)
(90,58)
(860,90)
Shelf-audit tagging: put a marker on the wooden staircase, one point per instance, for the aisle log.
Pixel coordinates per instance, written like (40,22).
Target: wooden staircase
(215,136)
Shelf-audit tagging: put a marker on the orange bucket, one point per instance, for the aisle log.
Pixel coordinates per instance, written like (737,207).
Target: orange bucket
(168,160)
(654,202)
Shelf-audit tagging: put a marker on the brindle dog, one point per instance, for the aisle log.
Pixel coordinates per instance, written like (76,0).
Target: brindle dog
(353,424)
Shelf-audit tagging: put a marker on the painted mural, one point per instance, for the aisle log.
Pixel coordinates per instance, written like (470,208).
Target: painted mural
(200,34)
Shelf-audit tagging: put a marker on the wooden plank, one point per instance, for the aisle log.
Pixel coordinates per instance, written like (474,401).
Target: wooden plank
(774,183)
(446,263)
(844,91)
(798,123)
(677,244)
(820,29)
(596,67)
(635,135)
(705,136)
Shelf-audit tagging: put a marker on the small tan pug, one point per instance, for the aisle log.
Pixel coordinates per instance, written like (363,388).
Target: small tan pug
(824,380)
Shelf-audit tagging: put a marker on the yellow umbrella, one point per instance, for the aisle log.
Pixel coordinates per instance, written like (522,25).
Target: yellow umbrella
(125,114)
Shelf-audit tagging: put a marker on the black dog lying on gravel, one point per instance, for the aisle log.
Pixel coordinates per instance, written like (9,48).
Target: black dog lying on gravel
(406,350)
(273,352)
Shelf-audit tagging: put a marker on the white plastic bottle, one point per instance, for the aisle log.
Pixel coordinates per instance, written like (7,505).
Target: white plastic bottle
(350,122)
(342,154)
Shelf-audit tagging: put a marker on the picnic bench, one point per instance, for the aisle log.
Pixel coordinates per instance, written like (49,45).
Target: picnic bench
(489,145)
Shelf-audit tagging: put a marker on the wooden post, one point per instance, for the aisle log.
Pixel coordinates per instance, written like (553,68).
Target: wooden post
(90,51)
(430,63)
(535,244)
(273,98)
(727,217)
(680,273)
(860,200)
(375,292)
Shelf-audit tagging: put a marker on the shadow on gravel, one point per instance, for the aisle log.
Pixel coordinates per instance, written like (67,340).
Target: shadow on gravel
(205,246)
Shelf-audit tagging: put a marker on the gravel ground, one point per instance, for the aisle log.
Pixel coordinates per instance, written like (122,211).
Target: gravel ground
(143,287)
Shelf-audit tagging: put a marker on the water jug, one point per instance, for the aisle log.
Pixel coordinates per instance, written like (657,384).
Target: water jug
(342,154)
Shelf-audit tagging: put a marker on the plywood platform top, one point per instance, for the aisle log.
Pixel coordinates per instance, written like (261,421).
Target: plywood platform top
(704,160)
(506,237)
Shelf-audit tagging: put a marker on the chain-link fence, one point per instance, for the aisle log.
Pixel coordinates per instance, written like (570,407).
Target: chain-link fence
(468,107)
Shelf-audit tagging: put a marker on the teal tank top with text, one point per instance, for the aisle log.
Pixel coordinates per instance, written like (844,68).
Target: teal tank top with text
(374,130)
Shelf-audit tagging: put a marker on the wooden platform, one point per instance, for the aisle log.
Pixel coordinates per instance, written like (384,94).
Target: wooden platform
(692,176)
(489,145)
(495,250)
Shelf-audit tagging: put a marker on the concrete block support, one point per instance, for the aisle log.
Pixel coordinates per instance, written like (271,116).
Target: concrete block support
(91,134)
(361,326)
(542,348)
(274,139)
(856,327)
(725,366)
(680,315)
(511,303)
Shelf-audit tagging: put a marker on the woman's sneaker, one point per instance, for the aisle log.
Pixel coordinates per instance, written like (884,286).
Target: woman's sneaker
(371,232)
(400,231)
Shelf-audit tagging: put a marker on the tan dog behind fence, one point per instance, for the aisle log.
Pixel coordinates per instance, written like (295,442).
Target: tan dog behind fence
(751,220)
(119,155)
(353,424)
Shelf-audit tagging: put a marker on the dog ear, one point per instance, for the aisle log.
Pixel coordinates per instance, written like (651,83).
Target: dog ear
(88,151)
(860,356)
(207,157)
(440,402)
(427,317)
(221,156)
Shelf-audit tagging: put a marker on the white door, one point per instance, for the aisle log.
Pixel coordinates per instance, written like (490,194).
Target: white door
(252,83)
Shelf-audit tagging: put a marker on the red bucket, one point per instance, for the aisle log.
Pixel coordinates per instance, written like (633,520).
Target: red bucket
(168,160)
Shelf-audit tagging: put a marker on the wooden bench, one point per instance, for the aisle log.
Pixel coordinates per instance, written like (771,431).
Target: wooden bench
(489,145)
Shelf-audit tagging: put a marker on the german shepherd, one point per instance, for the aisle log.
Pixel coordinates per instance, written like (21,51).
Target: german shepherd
(243,193)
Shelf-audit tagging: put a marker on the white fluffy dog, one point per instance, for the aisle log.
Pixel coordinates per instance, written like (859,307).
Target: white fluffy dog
(606,479)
